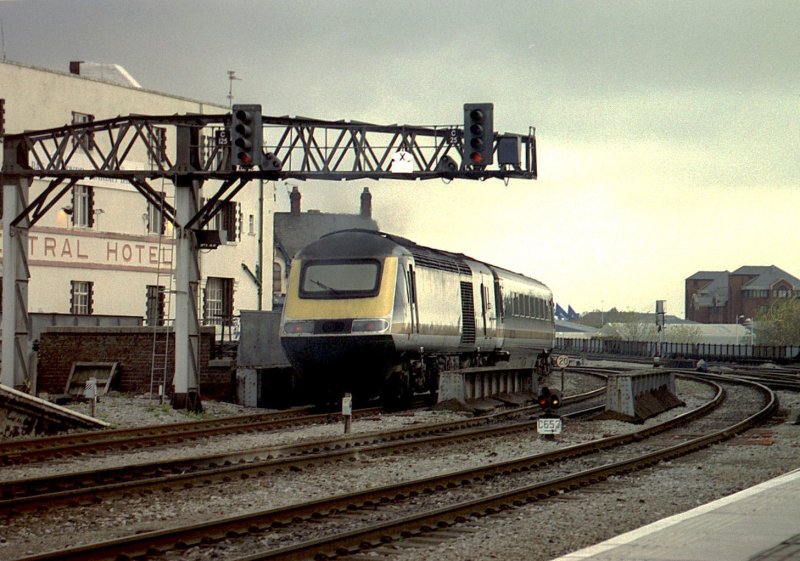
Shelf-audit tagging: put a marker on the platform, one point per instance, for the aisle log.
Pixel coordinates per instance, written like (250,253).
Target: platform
(761,523)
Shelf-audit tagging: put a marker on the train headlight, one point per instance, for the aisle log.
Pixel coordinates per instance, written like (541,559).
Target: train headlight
(302,327)
(369,325)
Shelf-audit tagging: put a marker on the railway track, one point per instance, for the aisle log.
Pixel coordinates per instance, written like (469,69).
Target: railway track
(92,486)
(478,492)
(775,378)
(97,442)
(76,445)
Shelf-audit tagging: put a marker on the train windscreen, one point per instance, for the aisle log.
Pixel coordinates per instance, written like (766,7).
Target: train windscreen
(340,279)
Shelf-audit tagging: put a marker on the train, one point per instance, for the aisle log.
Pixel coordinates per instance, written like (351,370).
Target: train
(377,315)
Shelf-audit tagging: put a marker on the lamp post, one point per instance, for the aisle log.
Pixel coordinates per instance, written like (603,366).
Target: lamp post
(751,325)
(737,327)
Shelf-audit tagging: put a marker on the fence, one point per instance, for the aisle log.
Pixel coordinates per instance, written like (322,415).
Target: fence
(696,351)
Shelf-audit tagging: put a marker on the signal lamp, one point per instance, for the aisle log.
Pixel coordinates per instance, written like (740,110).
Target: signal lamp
(246,135)
(549,399)
(478,133)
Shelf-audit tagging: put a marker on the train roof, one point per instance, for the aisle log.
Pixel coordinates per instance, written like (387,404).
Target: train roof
(372,242)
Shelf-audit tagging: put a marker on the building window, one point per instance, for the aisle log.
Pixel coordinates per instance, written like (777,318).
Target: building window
(83,206)
(277,278)
(218,305)
(84,139)
(81,297)
(251,221)
(156,220)
(155,305)
(228,220)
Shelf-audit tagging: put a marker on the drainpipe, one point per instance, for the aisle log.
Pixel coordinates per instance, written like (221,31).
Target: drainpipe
(260,260)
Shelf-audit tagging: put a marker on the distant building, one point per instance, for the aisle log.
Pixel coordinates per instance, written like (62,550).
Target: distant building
(725,297)
(295,229)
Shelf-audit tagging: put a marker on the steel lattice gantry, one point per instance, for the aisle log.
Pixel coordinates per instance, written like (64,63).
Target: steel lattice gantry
(193,151)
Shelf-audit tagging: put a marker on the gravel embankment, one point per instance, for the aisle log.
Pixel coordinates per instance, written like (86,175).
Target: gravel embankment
(540,531)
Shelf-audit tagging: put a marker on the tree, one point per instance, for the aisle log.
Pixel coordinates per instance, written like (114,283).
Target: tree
(681,333)
(630,326)
(780,323)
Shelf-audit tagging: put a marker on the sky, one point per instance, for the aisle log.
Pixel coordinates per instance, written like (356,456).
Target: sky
(667,131)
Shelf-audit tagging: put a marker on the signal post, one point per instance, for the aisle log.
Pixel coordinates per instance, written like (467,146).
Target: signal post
(549,423)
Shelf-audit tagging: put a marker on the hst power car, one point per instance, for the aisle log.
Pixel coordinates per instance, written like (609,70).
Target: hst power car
(374,314)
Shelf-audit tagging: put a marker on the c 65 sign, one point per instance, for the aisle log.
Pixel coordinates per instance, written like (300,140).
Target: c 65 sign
(549,425)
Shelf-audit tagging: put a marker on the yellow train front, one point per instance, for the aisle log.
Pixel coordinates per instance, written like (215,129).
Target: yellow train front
(378,315)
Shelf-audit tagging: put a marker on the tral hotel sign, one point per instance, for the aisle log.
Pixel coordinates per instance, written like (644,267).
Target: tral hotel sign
(56,247)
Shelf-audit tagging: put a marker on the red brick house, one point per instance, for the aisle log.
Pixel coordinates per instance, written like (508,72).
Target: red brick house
(725,297)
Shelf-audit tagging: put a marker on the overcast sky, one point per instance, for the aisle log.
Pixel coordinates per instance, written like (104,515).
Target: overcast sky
(668,132)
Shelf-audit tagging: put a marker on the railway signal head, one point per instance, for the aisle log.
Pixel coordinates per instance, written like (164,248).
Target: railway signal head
(246,135)
(478,134)
(549,399)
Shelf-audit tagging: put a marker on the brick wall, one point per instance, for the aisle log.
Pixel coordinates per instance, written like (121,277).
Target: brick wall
(132,348)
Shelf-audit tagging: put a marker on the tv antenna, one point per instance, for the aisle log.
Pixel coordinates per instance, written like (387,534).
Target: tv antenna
(231,78)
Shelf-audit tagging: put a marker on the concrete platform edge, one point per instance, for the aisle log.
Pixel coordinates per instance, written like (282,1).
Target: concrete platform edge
(628,537)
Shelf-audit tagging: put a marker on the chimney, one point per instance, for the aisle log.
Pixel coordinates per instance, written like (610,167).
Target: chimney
(75,66)
(366,203)
(294,198)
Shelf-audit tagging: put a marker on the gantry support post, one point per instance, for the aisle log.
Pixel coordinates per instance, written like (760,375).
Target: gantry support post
(16,349)
(187,284)
(187,277)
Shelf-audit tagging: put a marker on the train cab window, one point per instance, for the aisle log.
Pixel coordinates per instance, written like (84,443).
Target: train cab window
(340,279)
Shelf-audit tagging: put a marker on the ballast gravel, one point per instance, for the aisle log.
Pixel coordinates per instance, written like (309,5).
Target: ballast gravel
(541,531)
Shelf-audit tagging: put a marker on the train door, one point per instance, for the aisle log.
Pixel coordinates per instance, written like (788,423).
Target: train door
(411,281)
(499,310)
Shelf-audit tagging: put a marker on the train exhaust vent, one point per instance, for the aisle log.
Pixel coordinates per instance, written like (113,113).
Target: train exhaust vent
(468,313)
